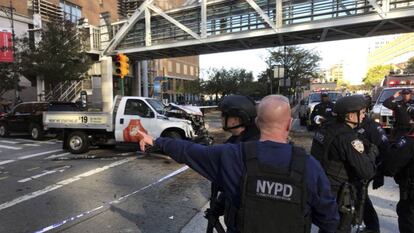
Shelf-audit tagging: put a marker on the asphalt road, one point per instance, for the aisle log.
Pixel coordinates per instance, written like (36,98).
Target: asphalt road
(46,189)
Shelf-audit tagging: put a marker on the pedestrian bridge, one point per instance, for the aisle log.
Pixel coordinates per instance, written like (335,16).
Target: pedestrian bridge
(210,26)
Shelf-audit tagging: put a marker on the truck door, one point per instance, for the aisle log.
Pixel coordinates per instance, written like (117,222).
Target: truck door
(136,114)
(20,117)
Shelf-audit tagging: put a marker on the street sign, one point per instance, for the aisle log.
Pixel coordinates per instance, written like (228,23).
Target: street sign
(6,46)
(282,82)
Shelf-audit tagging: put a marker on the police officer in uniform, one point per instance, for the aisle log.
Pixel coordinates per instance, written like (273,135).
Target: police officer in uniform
(238,114)
(400,164)
(323,110)
(343,155)
(402,119)
(269,184)
(372,133)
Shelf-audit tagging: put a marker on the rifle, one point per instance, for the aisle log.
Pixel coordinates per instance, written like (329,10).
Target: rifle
(212,214)
(359,216)
(346,207)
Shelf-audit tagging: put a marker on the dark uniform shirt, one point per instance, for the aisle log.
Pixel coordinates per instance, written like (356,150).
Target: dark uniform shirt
(347,148)
(402,118)
(224,165)
(322,109)
(373,132)
(400,161)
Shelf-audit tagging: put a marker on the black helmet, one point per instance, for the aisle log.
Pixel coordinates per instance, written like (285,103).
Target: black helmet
(238,106)
(347,104)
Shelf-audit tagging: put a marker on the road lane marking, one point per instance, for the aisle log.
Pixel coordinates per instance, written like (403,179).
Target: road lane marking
(6,162)
(61,184)
(28,156)
(31,144)
(108,205)
(45,172)
(9,142)
(10,147)
(4,177)
(57,156)
(37,154)
(34,141)
(32,169)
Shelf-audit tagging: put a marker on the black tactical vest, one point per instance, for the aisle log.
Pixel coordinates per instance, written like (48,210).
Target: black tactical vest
(321,147)
(273,199)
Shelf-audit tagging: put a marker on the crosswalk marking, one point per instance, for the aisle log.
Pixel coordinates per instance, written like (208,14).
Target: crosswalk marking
(9,142)
(57,156)
(33,141)
(32,144)
(28,156)
(61,184)
(45,172)
(10,147)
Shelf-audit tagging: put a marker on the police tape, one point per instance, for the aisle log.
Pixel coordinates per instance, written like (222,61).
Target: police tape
(107,206)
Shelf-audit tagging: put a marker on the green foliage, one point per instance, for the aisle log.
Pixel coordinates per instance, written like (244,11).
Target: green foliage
(9,77)
(376,74)
(410,66)
(233,81)
(300,64)
(57,57)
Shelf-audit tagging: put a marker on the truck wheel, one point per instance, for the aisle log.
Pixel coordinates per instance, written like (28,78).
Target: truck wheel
(173,135)
(4,132)
(77,142)
(36,132)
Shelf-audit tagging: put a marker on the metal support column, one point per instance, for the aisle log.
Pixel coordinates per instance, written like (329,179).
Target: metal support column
(145,77)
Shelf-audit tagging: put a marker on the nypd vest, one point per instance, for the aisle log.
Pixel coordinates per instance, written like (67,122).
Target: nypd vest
(273,199)
(334,167)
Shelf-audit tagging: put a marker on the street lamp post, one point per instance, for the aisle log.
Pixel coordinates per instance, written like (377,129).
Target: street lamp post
(278,73)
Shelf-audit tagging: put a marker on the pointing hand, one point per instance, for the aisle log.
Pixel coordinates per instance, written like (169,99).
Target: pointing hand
(145,140)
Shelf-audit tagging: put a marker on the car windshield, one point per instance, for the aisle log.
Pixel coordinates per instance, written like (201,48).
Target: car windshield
(157,105)
(385,94)
(316,97)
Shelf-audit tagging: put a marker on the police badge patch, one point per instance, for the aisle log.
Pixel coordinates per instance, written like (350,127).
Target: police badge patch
(358,145)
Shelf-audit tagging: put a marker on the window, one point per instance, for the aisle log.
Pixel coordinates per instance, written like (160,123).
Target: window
(177,67)
(137,108)
(71,12)
(192,70)
(185,69)
(170,66)
(23,109)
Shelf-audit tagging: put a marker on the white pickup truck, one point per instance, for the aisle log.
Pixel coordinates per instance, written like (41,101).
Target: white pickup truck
(83,129)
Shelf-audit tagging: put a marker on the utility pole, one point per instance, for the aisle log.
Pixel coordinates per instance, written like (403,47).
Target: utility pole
(285,74)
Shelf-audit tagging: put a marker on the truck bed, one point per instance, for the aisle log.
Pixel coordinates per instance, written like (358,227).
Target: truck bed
(78,120)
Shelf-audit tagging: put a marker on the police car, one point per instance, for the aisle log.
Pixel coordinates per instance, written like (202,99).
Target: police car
(315,98)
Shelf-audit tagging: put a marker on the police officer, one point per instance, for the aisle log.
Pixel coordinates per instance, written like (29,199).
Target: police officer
(238,114)
(343,155)
(400,164)
(271,185)
(322,112)
(371,132)
(402,119)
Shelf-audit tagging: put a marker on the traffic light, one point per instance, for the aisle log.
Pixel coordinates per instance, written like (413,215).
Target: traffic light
(121,65)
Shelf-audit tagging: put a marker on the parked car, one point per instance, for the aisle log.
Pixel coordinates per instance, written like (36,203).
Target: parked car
(28,117)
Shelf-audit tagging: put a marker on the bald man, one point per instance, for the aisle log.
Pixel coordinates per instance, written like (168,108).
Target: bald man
(270,185)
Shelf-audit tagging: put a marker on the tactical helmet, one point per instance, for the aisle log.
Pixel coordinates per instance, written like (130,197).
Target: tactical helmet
(348,104)
(238,106)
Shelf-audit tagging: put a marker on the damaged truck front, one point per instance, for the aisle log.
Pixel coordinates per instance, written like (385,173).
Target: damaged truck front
(129,114)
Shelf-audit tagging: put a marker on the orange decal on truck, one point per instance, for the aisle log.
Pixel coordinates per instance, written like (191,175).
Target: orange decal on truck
(131,131)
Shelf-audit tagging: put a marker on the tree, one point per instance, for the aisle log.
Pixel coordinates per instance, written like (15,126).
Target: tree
(299,63)
(376,74)
(9,77)
(410,66)
(225,82)
(57,57)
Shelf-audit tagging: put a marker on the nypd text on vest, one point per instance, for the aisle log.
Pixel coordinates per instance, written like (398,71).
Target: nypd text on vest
(274,190)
